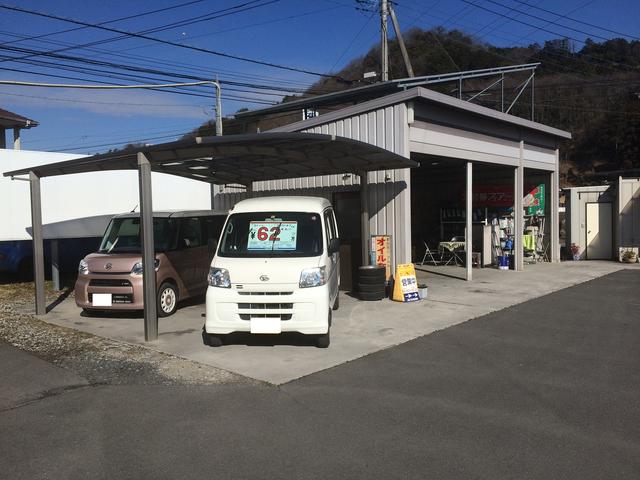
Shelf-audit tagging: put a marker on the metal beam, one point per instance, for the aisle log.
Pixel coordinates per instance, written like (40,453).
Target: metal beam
(518,220)
(448,77)
(468,236)
(38,243)
(148,252)
(520,92)
(554,229)
(500,80)
(364,217)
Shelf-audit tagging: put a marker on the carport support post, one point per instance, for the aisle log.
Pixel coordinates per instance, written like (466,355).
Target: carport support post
(364,217)
(148,253)
(554,228)
(38,242)
(469,226)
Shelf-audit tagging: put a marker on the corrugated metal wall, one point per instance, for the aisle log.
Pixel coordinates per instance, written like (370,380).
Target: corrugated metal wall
(629,212)
(390,195)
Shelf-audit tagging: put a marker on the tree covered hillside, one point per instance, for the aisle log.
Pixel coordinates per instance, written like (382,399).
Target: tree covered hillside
(593,92)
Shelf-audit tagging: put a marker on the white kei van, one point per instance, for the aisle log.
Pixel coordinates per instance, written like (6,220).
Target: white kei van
(276,269)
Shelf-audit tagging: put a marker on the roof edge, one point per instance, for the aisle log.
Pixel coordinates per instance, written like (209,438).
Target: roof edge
(428,95)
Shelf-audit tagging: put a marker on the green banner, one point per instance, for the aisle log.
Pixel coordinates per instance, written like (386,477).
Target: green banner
(533,202)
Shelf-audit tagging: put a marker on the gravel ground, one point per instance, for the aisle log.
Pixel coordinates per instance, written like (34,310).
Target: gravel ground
(99,360)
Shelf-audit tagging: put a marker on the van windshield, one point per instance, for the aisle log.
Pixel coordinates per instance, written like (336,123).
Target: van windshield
(272,234)
(123,235)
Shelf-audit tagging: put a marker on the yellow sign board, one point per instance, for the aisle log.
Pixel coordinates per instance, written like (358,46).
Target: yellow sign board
(381,247)
(405,287)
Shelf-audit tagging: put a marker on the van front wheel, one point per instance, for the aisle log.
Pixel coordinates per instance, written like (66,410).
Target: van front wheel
(167,299)
(324,340)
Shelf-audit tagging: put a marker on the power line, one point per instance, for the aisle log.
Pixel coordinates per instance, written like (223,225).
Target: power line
(129,17)
(200,18)
(127,67)
(543,29)
(74,100)
(513,9)
(155,61)
(174,44)
(368,20)
(578,21)
(120,143)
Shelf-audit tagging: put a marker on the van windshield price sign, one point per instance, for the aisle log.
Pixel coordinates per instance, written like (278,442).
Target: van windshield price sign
(272,235)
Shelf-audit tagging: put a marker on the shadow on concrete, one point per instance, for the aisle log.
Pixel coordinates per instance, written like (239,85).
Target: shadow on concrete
(255,340)
(128,314)
(442,274)
(61,298)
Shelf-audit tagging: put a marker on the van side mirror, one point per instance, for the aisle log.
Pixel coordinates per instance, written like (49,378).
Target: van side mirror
(334,246)
(212,243)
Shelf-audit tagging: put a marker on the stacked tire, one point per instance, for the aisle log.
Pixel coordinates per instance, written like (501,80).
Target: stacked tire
(371,282)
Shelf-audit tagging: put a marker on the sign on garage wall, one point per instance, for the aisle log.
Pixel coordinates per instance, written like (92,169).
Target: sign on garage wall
(381,250)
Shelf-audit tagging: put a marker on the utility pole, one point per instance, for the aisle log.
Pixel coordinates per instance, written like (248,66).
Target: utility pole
(403,48)
(384,48)
(216,84)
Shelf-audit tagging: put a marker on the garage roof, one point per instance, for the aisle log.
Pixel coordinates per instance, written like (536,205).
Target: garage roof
(241,158)
(430,97)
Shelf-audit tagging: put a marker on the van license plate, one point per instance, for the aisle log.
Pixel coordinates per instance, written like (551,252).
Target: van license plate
(266,325)
(101,300)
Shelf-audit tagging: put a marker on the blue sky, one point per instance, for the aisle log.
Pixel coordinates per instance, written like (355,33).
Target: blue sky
(319,35)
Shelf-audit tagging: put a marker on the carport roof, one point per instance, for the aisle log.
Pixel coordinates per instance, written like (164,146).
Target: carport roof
(240,158)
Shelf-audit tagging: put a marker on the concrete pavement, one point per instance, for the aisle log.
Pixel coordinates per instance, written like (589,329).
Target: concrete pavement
(544,389)
(359,328)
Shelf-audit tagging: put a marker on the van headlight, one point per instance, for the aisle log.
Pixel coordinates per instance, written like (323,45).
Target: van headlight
(219,277)
(83,267)
(313,277)
(137,268)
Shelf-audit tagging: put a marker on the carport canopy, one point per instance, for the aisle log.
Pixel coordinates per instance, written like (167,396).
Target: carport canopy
(240,159)
(234,159)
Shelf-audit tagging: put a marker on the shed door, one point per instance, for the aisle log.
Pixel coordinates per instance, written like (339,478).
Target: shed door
(599,231)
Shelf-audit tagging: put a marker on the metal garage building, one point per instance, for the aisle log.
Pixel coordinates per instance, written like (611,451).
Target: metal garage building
(436,130)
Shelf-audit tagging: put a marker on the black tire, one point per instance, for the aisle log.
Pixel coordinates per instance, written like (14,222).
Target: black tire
(371,288)
(372,280)
(211,339)
(167,299)
(367,296)
(375,271)
(336,303)
(214,340)
(324,340)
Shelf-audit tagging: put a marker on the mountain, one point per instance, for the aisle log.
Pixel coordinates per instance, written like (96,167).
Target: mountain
(593,92)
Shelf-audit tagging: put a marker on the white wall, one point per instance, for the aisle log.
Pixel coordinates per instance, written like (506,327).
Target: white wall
(85,194)
(629,212)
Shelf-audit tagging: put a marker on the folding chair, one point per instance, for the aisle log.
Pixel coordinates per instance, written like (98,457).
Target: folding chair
(429,253)
(459,256)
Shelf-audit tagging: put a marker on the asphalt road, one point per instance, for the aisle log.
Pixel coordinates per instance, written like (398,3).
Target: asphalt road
(546,389)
